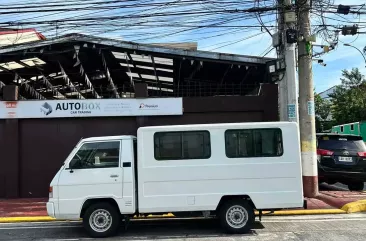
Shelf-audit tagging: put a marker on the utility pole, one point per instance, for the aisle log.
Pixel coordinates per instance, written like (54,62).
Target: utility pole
(287,87)
(282,90)
(306,102)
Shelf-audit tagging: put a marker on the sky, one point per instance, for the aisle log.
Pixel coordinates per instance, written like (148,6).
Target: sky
(240,40)
(342,58)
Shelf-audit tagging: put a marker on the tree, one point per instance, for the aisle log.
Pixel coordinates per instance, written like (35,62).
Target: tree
(349,98)
(322,111)
(322,107)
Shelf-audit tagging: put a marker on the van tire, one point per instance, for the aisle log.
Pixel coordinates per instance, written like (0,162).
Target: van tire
(236,216)
(99,214)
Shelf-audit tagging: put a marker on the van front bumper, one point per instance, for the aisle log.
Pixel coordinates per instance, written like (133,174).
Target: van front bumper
(51,209)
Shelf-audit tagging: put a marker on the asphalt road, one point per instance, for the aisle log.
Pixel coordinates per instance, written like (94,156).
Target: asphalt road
(306,228)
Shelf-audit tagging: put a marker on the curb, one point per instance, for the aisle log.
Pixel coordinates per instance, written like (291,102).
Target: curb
(169,215)
(27,219)
(355,207)
(305,212)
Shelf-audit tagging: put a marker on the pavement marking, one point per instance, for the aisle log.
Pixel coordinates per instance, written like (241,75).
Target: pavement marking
(67,239)
(72,225)
(321,216)
(312,220)
(37,227)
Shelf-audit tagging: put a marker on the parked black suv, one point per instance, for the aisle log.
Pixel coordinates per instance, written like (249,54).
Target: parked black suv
(342,158)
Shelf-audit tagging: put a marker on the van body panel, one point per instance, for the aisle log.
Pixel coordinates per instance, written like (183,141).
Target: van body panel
(199,184)
(148,185)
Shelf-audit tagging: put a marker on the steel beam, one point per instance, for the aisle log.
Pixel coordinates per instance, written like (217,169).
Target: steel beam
(110,80)
(156,76)
(129,70)
(26,86)
(133,63)
(69,83)
(84,75)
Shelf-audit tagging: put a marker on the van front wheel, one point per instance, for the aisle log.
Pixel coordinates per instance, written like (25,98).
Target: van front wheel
(236,216)
(101,220)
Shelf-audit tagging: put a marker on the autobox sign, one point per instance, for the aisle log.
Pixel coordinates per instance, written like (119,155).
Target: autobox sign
(90,108)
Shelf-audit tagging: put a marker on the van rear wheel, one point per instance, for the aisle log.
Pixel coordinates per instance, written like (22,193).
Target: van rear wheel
(236,216)
(102,220)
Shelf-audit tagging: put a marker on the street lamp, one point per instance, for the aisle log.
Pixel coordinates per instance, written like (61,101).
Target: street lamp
(348,45)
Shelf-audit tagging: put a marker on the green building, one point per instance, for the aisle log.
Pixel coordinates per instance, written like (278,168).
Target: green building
(356,128)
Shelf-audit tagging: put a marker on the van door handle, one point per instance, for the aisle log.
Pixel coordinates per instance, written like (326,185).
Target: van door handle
(114,176)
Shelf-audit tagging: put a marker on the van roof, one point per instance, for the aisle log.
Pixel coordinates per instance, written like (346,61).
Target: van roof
(102,138)
(273,124)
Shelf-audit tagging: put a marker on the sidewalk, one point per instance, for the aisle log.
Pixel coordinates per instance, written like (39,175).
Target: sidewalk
(23,207)
(328,202)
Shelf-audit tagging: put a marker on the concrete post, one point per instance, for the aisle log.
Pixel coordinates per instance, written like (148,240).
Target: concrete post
(292,92)
(282,90)
(307,110)
(10,157)
(287,86)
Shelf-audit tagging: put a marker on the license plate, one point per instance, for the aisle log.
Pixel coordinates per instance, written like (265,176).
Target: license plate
(345,159)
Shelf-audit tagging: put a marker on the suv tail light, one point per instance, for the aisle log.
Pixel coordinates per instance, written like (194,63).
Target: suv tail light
(361,154)
(323,152)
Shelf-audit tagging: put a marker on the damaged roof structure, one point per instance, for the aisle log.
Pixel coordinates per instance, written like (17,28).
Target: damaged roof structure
(79,66)
(10,36)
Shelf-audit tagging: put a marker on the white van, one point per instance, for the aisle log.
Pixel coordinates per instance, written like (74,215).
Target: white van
(226,170)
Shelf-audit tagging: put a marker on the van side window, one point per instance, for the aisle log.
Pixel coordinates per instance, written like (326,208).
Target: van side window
(98,155)
(253,143)
(182,145)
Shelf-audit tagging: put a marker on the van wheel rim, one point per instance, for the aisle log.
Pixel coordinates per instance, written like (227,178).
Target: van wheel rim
(237,216)
(100,220)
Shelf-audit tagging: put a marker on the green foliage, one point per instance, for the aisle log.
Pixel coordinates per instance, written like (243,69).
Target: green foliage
(322,107)
(322,111)
(349,98)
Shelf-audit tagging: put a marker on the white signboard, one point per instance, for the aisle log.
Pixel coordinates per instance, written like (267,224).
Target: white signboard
(90,108)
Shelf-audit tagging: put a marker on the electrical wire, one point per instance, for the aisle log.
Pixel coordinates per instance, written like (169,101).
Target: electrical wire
(157,20)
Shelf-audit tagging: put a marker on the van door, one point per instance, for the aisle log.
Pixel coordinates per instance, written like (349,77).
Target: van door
(96,173)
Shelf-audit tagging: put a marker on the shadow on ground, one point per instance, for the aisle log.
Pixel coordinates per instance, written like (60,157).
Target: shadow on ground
(178,228)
